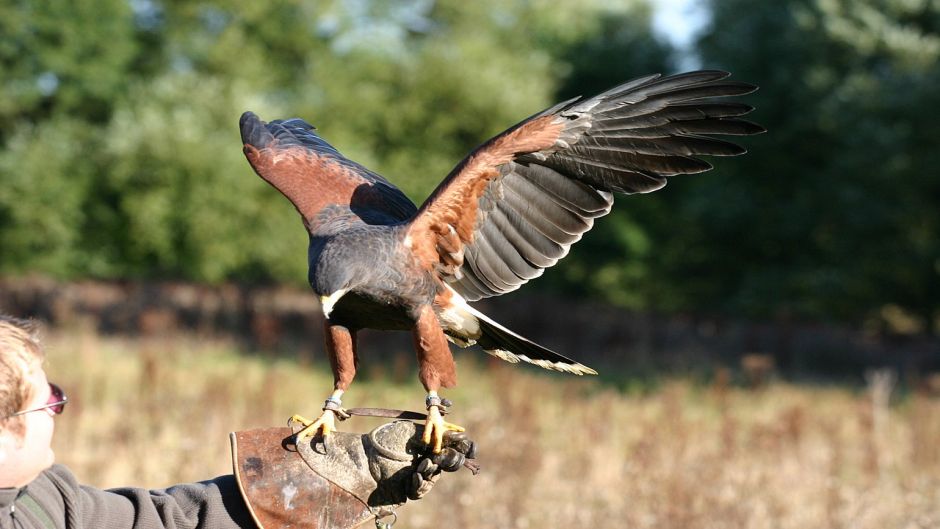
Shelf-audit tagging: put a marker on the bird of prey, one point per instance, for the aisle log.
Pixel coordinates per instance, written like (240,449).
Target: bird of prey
(508,211)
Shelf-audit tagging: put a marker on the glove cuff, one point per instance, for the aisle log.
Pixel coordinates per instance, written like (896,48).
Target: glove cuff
(280,490)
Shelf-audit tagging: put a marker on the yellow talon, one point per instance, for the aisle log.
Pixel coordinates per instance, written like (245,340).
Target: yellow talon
(324,425)
(435,427)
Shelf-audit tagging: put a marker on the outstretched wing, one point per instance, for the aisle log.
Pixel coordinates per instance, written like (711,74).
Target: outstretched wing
(322,184)
(516,205)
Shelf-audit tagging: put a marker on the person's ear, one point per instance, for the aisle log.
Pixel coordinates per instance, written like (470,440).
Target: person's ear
(6,445)
(10,442)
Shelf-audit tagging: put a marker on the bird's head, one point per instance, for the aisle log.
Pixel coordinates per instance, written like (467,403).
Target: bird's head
(330,283)
(328,301)
(329,288)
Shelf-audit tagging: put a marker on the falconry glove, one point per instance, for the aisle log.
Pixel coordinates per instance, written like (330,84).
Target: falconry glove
(345,482)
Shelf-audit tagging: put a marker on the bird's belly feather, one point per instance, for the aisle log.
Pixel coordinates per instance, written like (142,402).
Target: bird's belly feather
(357,311)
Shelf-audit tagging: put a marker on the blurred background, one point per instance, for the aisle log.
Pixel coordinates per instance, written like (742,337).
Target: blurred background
(766,333)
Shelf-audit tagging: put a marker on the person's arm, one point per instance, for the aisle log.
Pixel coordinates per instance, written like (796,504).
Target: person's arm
(215,504)
(361,476)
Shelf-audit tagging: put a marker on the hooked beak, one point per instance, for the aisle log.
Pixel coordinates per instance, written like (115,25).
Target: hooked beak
(327,302)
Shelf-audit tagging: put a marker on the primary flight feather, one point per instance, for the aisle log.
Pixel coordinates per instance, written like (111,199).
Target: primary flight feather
(507,212)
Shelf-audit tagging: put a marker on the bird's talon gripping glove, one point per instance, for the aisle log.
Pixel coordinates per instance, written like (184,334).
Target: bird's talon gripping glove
(360,476)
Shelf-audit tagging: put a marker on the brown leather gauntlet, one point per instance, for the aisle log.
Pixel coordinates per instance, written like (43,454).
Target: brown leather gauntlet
(351,479)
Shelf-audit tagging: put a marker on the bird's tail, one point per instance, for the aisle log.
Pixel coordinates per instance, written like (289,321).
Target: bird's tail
(509,346)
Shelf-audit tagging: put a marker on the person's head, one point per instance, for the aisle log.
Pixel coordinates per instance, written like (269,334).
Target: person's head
(25,438)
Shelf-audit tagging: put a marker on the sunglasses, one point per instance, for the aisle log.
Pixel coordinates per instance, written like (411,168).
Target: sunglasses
(55,404)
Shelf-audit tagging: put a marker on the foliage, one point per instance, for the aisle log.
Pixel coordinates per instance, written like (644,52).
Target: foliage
(120,149)
(835,213)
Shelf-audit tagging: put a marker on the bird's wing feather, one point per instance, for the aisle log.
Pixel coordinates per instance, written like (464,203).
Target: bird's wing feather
(516,205)
(320,182)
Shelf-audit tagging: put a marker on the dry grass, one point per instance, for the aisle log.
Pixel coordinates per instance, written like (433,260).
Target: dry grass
(557,451)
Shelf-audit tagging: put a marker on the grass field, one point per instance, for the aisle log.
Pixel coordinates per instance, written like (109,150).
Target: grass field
(557,451)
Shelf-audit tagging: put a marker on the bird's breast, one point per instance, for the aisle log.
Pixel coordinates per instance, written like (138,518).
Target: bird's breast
(386,287)
(358,310)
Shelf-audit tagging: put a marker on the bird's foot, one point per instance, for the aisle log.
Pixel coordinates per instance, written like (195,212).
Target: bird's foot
(323,425)
(435,426)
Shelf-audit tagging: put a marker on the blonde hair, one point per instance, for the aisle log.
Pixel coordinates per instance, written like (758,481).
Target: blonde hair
(20,353)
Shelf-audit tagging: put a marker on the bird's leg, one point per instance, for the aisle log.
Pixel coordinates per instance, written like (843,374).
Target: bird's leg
(435,426)
(436,369)
(341,349)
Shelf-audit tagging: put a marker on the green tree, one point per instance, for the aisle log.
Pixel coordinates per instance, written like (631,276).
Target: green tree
(57,86)
(833,213)
(120,150)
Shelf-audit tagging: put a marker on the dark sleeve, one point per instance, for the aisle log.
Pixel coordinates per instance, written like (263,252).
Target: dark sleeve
(213,504)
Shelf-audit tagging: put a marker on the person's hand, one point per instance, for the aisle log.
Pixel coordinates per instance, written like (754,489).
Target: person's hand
(458,451)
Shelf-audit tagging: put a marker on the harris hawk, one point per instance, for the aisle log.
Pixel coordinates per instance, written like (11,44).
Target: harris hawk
(508,211)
